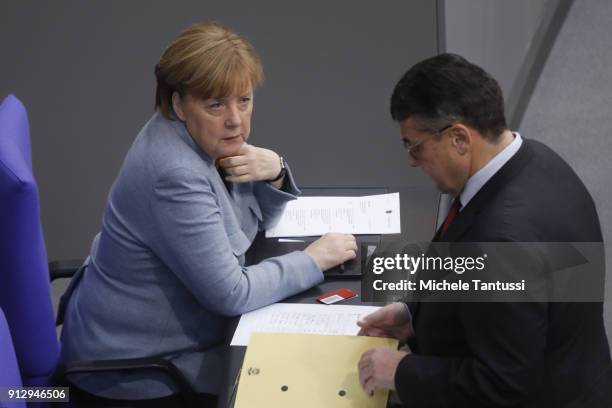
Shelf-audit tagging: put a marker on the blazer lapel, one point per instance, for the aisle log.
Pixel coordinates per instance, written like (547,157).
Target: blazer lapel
(460,225)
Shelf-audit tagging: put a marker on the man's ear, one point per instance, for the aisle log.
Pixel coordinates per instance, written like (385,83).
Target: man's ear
(461,138)
(177,105)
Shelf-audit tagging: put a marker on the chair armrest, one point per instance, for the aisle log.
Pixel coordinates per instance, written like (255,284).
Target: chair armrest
(132,364)
(64,268)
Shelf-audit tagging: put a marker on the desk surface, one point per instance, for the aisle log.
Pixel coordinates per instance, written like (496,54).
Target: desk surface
(419,207)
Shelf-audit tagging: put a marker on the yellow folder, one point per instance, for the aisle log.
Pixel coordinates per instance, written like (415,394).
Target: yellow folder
(306,370)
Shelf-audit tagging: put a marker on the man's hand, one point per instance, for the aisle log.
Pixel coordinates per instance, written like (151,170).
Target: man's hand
(377,368)
(251,164)
(393,321)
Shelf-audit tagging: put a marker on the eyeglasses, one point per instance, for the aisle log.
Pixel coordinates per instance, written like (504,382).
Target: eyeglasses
(414,149)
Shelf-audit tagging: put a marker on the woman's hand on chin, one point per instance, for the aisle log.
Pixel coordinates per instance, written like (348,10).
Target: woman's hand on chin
(251,163)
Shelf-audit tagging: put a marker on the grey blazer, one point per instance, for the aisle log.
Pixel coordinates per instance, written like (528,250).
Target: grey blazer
(167,270)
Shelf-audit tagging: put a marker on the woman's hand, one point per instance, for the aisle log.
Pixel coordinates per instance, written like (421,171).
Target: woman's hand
(251,164)
(332,249)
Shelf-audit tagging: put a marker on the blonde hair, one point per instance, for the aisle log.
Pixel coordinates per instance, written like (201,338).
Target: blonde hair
(208,61)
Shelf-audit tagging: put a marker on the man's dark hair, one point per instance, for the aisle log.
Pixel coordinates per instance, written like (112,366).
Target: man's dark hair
(448,88)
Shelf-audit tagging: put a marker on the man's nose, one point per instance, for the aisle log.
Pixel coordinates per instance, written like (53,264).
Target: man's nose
(412,162)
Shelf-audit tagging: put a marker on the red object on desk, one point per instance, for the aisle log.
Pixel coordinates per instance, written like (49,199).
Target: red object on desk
(336,296)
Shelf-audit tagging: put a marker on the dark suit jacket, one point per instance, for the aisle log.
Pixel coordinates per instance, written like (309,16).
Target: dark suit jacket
(513,354)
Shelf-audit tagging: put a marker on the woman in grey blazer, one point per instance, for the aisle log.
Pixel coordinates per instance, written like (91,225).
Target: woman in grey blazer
(167,269)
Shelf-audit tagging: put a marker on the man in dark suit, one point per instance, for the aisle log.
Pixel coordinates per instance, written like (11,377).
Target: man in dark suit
(505,189)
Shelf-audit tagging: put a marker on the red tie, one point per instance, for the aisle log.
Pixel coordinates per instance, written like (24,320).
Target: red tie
(452,213)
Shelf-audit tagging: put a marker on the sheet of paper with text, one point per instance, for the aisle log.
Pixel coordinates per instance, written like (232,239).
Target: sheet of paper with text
(300,318)
(313,216)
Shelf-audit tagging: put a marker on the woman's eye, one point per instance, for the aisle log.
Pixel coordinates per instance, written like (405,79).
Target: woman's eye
(214,105)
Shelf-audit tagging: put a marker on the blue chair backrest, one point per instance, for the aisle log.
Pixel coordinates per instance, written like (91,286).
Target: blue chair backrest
(9,373)
(24,274)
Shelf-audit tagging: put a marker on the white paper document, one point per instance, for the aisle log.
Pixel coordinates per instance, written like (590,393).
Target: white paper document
(300,318)
(313,216)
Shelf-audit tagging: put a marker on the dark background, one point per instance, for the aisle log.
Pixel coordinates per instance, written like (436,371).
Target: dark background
(84,71)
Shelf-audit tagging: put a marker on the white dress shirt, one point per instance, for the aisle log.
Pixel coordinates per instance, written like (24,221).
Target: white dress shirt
(480,178)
